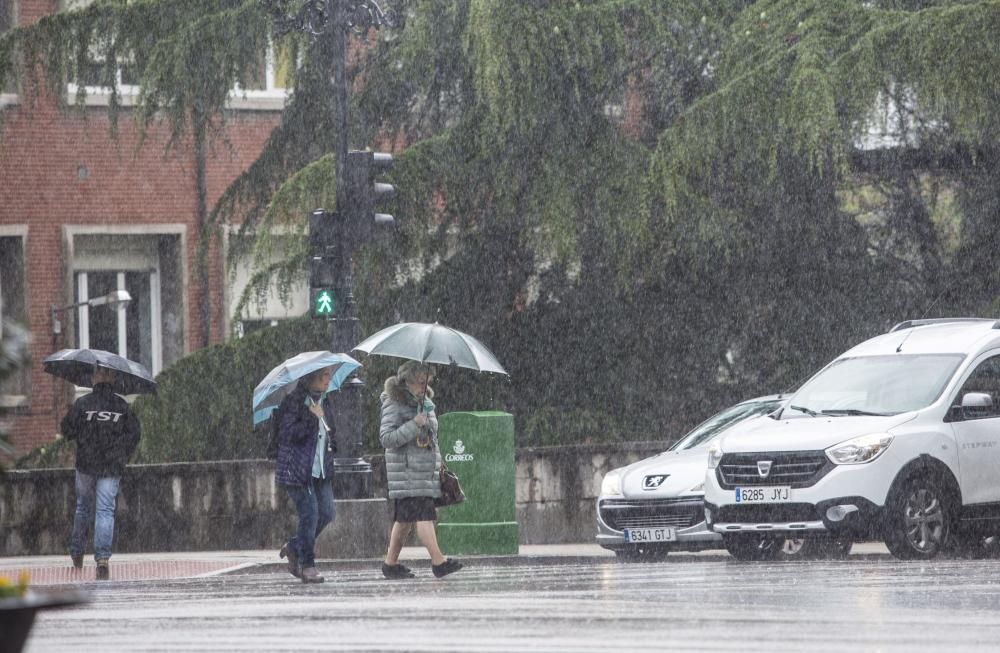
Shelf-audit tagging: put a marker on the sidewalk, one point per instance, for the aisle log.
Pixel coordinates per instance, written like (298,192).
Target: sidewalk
(58,570)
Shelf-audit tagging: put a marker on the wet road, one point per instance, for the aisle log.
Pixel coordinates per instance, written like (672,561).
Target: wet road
(866,603)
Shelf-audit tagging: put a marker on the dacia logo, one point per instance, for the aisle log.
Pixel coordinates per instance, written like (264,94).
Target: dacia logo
(653,481)
(764,468)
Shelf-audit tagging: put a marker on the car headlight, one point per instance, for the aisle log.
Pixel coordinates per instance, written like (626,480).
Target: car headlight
(612,484)
(863,449)
(714,455)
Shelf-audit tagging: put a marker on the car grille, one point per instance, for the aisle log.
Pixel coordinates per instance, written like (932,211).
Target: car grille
(652,513)
(772,513)
(794,468)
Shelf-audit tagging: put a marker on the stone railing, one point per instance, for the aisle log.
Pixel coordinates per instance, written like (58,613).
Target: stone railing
(237,505)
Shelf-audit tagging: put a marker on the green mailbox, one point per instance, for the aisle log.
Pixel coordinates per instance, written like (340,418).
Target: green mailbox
(479,448)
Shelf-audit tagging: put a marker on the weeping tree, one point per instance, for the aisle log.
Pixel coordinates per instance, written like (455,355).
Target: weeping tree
(632,279)
(769,173)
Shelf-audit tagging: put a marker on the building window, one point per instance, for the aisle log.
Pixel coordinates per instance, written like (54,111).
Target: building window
(8,20)
(267,87)
(271,305)
(149,329)
(272,73)
(130,331)
(13,390)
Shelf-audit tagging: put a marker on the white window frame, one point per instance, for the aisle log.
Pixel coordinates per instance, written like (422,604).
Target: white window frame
(155,335)
(270,98)
(229,291)
(117,262)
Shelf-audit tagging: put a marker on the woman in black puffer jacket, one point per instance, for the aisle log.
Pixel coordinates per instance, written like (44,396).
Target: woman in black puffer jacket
(408,432)
(306,450)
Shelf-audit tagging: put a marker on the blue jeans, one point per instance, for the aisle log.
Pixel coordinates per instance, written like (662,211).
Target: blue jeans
(314,503)
(91,490)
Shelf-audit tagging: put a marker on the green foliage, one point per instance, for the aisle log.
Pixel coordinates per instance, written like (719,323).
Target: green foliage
(58,453)
(202,409)
(631,281)
(14,355)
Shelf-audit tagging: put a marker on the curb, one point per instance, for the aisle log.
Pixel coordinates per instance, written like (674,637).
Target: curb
(362,564)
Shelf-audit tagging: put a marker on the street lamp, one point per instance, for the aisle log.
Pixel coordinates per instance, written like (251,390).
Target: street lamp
(114,299)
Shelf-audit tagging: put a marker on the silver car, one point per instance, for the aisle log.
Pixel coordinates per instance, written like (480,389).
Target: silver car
(656,505)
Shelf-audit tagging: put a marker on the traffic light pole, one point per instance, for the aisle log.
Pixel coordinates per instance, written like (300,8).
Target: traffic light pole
(352,474)
(337,10)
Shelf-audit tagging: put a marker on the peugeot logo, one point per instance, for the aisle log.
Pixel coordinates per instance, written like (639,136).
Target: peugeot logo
(654,481)
(764,468)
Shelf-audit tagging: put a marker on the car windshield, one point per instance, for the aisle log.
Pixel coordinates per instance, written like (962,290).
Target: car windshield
(719,422)
(875,385)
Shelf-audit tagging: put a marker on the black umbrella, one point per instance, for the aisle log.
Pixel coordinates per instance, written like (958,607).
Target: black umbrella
(77,366)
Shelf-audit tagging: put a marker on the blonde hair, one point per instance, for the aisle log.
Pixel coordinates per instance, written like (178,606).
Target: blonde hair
(412,369)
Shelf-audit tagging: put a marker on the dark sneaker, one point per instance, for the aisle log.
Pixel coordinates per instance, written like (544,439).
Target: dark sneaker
(103,572)
(446,567)
(311,575)
(293,559)
(77,560)
(394,572)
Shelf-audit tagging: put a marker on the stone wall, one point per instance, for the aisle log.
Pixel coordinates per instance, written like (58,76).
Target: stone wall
(557,488)
(236,505)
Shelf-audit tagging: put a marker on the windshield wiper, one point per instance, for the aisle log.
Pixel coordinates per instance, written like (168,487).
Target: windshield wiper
(854,412)
(807,411)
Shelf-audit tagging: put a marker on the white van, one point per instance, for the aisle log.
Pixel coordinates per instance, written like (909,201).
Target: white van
(897,439)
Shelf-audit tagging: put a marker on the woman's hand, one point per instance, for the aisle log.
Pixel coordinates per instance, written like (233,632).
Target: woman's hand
(316,409)
(420,420)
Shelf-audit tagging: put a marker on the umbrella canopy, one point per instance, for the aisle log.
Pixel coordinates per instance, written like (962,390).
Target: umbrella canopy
(77,366)
(432,343)
(280,381)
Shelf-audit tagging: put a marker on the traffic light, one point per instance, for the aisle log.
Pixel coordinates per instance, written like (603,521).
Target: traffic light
(363,194)
(322,302)
(326,241)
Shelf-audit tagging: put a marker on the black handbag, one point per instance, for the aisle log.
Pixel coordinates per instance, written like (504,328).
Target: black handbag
(451,491)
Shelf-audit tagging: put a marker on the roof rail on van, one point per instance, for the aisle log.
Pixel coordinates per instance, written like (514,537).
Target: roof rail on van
(942,320)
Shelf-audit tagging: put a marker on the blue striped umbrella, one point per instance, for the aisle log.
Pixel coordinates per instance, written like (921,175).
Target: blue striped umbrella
(280,381)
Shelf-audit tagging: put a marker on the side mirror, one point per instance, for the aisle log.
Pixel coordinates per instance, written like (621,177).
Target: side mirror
(976,405)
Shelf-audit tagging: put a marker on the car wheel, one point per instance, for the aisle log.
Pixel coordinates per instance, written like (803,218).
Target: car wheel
(752,547)
(919,520)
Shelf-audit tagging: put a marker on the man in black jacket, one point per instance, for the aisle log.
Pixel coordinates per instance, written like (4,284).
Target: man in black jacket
(106,432)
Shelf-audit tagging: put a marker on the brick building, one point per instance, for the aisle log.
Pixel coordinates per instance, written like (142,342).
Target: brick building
(82,214)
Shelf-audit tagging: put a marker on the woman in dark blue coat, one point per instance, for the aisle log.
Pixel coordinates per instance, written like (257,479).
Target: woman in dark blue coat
(304,468)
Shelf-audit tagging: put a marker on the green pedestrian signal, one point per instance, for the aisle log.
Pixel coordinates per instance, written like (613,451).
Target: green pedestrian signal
(323,304)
